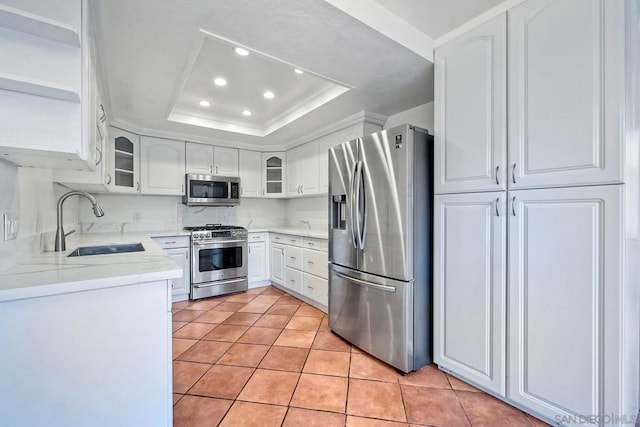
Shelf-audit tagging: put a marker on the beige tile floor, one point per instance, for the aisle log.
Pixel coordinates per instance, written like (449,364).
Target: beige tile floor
(264,358)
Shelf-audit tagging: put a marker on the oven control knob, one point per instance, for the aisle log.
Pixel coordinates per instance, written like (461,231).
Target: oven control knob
(197,235)
(207,235)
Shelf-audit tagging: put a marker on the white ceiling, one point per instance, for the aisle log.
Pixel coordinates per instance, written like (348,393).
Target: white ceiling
(248,77)
(435,18)
(151,49)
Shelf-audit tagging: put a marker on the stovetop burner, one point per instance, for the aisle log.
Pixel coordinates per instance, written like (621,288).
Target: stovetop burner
(214,227)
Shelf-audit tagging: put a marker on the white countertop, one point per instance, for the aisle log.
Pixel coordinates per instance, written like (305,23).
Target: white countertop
(52,273)
(315,233)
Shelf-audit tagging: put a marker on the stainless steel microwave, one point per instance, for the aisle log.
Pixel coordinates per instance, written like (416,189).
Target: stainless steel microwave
(211,190)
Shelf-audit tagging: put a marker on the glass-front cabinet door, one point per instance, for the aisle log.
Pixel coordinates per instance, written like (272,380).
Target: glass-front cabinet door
(274,176)
(125,161)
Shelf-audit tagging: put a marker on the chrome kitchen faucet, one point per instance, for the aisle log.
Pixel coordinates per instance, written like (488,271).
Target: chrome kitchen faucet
(60,244)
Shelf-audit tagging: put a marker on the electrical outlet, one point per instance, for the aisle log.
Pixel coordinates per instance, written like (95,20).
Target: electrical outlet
(137,217)
(10,227)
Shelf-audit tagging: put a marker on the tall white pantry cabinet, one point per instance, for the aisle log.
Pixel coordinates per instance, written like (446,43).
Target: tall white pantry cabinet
(537,159)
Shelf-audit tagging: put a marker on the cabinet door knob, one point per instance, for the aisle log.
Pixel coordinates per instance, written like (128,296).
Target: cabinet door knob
(513,206)
(497,178)
(497,202)
(513,173)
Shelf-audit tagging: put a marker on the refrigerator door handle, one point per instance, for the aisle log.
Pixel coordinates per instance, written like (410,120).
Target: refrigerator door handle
(358,185)
(368,284)
(352,205)
(363,226)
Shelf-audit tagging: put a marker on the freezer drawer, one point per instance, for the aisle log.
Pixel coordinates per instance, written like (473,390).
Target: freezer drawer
(374,314)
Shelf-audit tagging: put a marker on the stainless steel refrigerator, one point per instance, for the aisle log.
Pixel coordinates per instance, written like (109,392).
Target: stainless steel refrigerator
(380,226)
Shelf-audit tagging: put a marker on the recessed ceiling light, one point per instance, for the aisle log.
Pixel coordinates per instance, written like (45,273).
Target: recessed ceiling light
(204,103)
(219,81)
(298,71)
(246,113)
(242,52)
(269,95)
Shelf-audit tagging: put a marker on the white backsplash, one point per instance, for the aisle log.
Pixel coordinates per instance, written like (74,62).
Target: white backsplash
(311,209)
(30,195)
(156,213)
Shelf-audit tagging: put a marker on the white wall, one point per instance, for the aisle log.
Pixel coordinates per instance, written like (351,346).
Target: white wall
(155,213)
(30,195)
(421,116)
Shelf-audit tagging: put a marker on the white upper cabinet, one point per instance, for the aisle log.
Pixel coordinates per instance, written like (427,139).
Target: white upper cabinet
(469,287)
(566,89)
(565,322)
(274,174)
(199,158)
(45,79)
(470,110)
(225,161)
(162,166)
(211,160)
(303,170)
(124,161)
(250,165)
(310,173)
(294,164)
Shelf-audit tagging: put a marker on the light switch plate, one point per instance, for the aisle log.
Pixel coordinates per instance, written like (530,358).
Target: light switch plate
(10,227)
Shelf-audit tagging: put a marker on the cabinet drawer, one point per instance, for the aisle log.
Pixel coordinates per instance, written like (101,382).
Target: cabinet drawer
(278,238)
(317,244)
(293,279)
(315,262)
(292,240)
(257,237)
(293,257)
(316,288)
(170,242)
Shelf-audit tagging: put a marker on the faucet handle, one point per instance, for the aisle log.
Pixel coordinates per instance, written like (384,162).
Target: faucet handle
(71,232)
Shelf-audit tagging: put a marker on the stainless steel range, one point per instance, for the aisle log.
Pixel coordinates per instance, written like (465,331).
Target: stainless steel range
(218,260)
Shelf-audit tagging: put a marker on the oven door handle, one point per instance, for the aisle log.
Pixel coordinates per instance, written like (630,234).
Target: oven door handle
(221,242)
(219,282)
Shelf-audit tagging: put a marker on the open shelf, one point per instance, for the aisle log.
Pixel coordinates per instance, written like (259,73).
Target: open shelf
(38,88)
(37,25)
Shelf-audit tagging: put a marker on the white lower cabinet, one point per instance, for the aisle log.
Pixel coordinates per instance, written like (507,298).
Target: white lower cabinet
(560,297)
(180,287)
(293,279)
(315,288)
(470,287)
(305,262)
(276,253)
(565,291)
(85,352)
(178,249)
(257,262)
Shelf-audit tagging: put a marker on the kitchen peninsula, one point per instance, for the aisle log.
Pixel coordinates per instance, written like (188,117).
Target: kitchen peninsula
(87,339)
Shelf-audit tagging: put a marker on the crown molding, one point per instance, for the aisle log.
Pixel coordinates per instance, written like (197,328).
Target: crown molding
(356,119)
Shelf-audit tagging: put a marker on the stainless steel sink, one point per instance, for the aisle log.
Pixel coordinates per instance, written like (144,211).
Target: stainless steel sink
(107,249)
